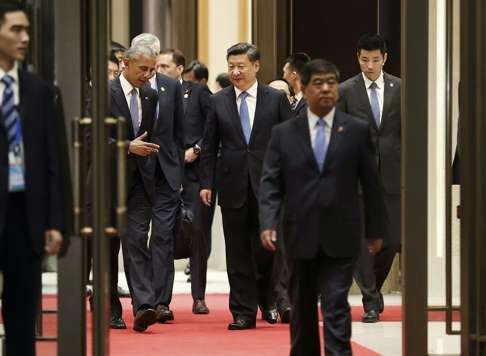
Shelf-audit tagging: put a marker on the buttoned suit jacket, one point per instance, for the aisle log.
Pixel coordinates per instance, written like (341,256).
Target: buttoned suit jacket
(43,182)
(136,165)
(386,139)
(322,208)
(240,164)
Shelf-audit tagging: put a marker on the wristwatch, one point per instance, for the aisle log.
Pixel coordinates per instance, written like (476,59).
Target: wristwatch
(197,149)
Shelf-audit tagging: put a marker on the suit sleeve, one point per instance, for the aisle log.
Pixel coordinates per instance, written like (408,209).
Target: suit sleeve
(210,148)
(285,110)
(374,203)
(179,124)
(204,106)
(56,207)
(271,188)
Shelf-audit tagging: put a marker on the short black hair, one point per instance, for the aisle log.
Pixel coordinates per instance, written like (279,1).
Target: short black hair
(244,48)
(116,46)
(177,56)
(223,80)
(112,58)
(200,70)
(297,61)
(10,6)
(371,42)
(318,66)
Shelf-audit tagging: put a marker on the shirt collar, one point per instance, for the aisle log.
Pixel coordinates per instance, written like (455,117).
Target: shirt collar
(313,118)
(380,82)
(126,86)
(14,73)
(298,96)
(252,91)
(153,82)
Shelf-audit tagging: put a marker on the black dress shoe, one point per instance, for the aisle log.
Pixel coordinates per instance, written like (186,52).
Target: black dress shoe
(242,324)
(371,316)
(285,315)
(164,313)
(199,307)
(143,319)
(117,323)
(270,316)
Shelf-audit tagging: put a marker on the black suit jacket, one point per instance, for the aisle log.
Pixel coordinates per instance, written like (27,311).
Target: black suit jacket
(239,163)
(322,209)
(42,171)
(169,131)
(136,165)
(386,139)
(300,108)
(195,98)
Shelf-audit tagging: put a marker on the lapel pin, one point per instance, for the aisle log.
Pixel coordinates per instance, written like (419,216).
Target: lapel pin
(340,129)
(162,89)
(186,96)
(391,84)
(146,98)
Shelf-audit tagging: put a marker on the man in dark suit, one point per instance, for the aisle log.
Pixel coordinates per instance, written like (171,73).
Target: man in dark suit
(196,107)
(318,190)
(134,100)
(374,96)
(240,121)
(167,166)
(31,206)
(291,73)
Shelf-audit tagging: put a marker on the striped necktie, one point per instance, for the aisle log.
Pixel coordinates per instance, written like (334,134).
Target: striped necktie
(10,114)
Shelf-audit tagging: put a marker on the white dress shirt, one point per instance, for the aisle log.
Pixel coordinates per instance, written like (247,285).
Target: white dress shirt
(14,73)
(380,90)
(312,121)
(298,97)
(251,100)
(127,90)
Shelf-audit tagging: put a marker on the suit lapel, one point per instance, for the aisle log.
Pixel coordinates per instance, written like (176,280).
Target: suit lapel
(121,103)
(259,109)
(305,140)
(146,111)
(186,92)
(387,96)
(23,106)
(338,132)
(364,100)
(233,111)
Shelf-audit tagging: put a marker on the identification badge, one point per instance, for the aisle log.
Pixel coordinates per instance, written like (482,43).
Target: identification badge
(16,181)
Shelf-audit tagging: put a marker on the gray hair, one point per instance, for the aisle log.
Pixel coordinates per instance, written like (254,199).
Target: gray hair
(135,52)
(147,40)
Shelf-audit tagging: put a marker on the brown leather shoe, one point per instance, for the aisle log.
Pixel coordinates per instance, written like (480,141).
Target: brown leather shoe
(199,307)
(143,319)
(164,313)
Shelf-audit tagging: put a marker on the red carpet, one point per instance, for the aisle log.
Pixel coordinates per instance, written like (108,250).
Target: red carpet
(191,334)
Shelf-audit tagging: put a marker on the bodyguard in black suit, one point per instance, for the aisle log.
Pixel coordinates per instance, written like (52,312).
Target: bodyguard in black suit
(322,222)
(291,73)
(31,207)
(241,119)
(374,97)
(195,98)
(134,100)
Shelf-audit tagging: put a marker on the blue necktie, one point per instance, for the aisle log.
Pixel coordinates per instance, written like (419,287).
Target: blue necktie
(375,103)
(134,111)
(245,116)
(10,114)
(320,144)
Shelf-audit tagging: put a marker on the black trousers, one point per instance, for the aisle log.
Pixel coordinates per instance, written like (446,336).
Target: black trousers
(150,264)
(331,278)
(280,275)
(115,304)
(21,268)
(248,264)
(201,237)
(371,271)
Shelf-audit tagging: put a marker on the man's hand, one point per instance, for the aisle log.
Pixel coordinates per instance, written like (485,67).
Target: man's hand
(206,195)
(141,148)
(374,246)
(269,237)
(190,156)
(53,242)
